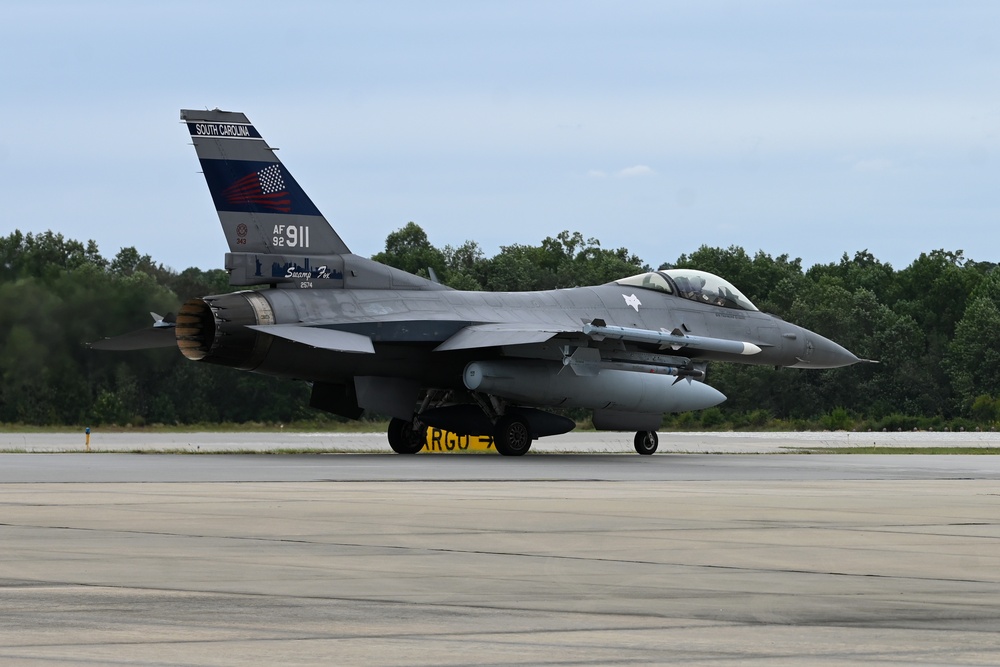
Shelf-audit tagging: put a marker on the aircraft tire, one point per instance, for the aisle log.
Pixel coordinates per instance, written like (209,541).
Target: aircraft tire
(646,442)
(512,436)
(403,438)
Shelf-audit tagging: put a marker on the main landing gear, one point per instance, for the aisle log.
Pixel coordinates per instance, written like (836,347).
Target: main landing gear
(512,436)
(405,437)
(646,442)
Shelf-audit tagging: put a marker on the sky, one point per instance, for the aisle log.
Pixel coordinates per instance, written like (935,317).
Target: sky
(811,129)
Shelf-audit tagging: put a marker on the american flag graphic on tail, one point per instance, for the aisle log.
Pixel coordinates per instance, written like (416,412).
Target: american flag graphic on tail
(265,188)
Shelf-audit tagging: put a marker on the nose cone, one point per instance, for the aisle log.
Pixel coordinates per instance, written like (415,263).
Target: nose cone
(822,352)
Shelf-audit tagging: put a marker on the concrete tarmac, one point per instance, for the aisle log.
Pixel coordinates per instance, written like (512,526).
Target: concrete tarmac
(575,442)
(553,560)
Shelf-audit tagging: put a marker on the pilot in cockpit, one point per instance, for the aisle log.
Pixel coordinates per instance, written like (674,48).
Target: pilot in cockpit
(698,285)
(683,286)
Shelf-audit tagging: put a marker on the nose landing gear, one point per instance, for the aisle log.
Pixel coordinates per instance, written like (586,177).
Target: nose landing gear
(646,442)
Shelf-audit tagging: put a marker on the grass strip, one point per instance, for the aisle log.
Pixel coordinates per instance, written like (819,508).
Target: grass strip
(942,451)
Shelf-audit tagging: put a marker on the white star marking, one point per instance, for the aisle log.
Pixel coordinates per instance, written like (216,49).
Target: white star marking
(632,300)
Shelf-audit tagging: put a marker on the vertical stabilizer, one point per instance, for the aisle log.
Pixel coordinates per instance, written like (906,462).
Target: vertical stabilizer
(261,207)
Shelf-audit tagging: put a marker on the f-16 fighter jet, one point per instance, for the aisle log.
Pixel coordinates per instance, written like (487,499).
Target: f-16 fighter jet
(367,336)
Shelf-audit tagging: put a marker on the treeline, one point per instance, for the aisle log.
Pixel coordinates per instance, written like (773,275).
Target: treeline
(933,326)
(57,294)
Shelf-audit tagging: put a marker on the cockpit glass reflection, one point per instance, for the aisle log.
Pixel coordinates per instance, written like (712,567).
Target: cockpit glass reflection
(699,286)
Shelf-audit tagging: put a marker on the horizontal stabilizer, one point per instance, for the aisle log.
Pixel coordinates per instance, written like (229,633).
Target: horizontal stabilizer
(324,339)
(150,338)
(495,335)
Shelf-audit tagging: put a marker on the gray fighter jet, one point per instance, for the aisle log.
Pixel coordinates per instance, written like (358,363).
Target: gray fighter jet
(370,337)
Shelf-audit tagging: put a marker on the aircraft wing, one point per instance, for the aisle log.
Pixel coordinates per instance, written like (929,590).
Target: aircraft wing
(324,339)
(494,335)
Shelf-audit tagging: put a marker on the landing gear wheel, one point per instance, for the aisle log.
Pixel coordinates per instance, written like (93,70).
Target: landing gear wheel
(646,442)
(511,436)
(404,438)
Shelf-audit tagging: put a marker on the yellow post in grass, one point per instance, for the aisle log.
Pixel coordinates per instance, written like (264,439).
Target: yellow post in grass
(88,438)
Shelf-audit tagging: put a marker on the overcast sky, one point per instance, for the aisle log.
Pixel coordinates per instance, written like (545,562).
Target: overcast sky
(806,128)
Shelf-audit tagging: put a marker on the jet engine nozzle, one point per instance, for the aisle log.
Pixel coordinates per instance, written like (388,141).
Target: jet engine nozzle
(215,329)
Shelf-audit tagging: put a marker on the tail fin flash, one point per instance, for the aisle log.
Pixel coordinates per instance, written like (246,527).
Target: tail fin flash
(261,207)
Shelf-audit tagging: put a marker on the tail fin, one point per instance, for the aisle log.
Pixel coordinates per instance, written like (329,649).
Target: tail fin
(261,207)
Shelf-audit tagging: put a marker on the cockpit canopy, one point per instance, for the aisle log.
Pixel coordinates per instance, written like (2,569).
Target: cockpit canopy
(698,286)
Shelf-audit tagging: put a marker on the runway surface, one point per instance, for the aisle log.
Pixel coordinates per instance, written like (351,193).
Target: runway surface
(587,559)
(574,442)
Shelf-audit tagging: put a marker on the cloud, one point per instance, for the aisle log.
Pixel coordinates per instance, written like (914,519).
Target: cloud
(636,171)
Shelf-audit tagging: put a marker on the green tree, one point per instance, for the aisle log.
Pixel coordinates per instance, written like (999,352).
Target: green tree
(410,250)
(862,272)
(973,357)
(566,260)
(934,290)
(985,409)
(463,264)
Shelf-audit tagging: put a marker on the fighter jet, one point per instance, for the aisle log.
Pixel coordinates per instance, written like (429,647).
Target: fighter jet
(369,337)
